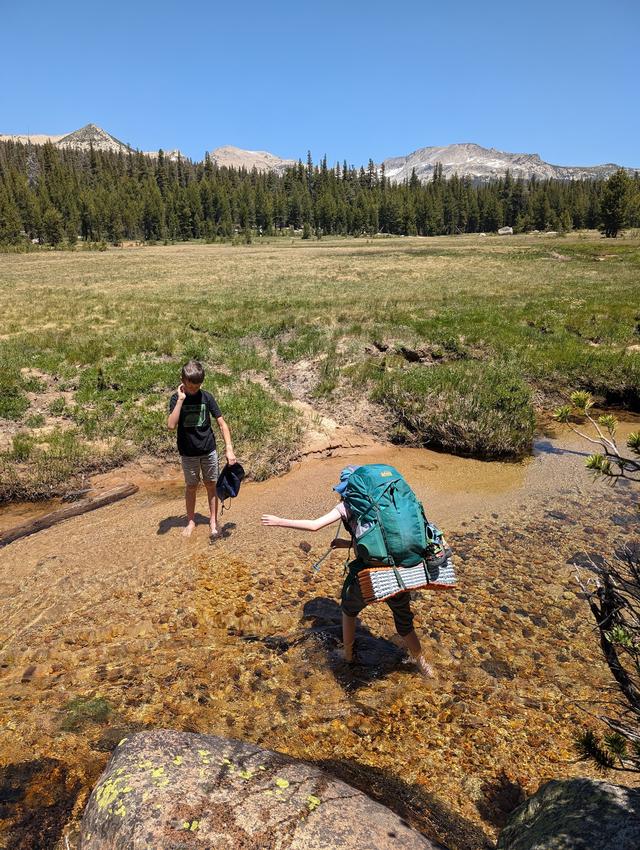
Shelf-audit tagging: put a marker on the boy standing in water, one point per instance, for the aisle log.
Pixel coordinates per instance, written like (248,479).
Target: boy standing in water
(190,411)
(352,601)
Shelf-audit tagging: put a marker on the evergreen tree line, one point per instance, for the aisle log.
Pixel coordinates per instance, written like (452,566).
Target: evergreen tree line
(59,195)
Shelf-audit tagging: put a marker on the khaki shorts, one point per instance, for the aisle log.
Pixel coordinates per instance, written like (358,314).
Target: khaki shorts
(193,466)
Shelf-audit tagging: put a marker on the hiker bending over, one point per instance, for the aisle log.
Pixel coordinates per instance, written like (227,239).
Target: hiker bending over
(190,411)
(352,601)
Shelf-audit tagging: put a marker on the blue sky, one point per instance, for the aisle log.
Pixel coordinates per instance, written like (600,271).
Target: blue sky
(352,79)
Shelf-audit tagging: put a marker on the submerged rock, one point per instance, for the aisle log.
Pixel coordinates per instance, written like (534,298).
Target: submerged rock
(180,790)
(575,814)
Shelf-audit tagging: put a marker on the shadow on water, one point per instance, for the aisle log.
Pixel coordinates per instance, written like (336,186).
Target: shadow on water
(36,800)
(321,632)
(421,810)
(376,657)
(499,798)
(547,447)
(578,813)
(180,521)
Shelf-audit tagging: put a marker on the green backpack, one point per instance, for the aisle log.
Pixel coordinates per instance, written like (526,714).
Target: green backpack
(389,524)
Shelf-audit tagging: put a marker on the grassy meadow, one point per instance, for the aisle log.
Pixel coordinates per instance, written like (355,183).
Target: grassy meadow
(452,342)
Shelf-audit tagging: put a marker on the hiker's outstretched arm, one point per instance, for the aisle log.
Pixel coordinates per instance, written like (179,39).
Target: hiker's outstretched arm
(303,524)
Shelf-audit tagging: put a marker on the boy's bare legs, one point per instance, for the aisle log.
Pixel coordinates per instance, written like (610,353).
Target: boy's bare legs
(412,642)
(190,500)
(348,635)
(213,507)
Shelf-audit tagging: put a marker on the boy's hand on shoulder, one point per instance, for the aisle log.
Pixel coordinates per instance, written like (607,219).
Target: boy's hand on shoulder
(181,393)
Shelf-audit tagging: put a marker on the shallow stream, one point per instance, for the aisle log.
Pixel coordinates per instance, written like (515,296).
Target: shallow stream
(115,623)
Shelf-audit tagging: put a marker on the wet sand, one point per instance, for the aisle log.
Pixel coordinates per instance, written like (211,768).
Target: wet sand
(241,638)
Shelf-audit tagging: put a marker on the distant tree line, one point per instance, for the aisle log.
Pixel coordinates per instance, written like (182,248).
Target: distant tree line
(57,195)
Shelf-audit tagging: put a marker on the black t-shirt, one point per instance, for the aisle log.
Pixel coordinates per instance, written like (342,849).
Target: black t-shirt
(195,435)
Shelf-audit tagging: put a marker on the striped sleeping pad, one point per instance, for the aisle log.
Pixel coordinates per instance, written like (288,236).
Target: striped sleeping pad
(378,583)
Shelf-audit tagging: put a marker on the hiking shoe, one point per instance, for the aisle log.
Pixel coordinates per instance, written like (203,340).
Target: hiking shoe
(424,668)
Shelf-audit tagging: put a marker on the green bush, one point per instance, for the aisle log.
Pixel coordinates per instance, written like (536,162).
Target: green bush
(463,407)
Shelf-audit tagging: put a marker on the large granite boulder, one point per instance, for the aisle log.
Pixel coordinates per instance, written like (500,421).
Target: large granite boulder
(181,791)
(575,814)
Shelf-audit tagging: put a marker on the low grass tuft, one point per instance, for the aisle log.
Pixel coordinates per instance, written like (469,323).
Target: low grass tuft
(77,712)
(466,407)
(22,446)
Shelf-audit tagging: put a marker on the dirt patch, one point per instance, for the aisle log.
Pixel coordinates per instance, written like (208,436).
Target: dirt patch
(331,428)
(427,353)
(259,345)
(301,378)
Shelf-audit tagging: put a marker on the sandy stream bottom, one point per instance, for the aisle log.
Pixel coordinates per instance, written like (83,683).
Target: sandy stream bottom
(240,638)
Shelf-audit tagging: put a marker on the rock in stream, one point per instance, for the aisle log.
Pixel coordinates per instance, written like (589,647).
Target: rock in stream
(178,790)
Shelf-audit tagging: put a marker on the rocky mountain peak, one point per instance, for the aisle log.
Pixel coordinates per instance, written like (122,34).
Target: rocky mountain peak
(92,136)
(468,159)
(232,157)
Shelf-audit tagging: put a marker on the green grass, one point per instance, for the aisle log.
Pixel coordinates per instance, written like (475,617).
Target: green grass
(495,323)
(13,388)
(81,710)
(467,407)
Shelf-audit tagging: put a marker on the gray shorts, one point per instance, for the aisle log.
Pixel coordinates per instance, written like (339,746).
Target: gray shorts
(191,467)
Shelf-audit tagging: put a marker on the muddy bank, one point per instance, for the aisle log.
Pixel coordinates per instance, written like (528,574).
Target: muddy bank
(114,622)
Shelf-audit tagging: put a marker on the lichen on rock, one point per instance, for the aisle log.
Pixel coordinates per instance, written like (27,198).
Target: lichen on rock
(163,786)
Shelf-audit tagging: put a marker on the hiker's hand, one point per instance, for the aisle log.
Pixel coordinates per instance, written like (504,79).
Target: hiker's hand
(182,393)
(269,519)
(231,457)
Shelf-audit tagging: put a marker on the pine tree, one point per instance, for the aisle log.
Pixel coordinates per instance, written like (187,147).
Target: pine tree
(613,206)
(491,214)
(10,222)
(372,175)
(53,226)
(152,213)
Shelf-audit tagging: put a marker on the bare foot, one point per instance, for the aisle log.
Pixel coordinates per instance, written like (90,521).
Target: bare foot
(190,526)
(424,668)
(213,533)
